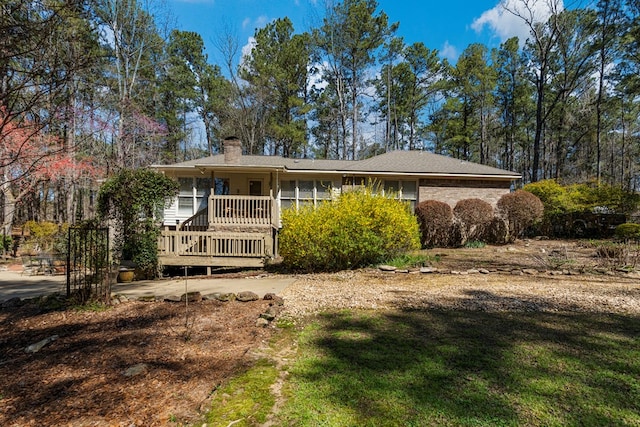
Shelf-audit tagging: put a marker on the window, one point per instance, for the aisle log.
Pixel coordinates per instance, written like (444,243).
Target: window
(323,190)
(305,190)
(405,190)
(287,194)
(185,197)
(221,186)
(391,187)
(193,195)
(203,189)
(296,193)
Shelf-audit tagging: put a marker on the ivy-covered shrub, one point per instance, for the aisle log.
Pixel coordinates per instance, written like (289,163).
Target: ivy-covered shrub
(520,209)
(473,216)
(357,229)
(132,200)
(628,231)
(436,221)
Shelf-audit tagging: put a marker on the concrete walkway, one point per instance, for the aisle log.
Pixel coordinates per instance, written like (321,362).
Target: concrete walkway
(14,284)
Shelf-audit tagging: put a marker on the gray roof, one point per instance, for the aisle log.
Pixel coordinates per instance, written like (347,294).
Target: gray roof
(394,162)
(424,162)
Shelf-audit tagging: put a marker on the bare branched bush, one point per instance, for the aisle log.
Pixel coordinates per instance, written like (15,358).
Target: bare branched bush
(436,221)
(520,209)
(474,216)
(497,231)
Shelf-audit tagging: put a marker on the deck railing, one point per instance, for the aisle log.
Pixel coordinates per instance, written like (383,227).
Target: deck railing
(215,244)
(242,210)
(197,222)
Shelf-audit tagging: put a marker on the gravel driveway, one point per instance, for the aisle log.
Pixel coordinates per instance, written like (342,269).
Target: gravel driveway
(371,289)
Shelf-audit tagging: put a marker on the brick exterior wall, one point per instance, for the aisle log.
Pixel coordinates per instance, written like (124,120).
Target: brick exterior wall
(452,191)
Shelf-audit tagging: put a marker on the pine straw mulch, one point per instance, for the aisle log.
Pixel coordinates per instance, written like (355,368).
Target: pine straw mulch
(80,378)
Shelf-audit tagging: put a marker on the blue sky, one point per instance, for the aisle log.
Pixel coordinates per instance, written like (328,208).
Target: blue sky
(448,26)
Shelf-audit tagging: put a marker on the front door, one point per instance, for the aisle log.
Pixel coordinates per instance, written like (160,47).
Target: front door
(255,187)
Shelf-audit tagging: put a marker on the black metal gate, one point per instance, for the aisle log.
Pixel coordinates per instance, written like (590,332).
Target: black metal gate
(88,266)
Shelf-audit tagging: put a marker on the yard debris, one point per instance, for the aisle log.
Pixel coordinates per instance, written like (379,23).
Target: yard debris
(34,348)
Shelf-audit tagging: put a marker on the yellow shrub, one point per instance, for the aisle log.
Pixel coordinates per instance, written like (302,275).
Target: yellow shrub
(357,229)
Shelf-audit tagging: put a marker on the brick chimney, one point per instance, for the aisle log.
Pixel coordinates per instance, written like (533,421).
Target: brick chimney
(232,150)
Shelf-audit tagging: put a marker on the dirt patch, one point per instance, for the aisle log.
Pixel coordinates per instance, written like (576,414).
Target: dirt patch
(137,364)
(147,364)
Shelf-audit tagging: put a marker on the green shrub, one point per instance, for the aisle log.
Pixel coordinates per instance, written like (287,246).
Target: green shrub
(520,209)
(628,231)
(6,243)
(42,235)
(436,221)
(357,229)
(554,197)
(474,216)
(559,199)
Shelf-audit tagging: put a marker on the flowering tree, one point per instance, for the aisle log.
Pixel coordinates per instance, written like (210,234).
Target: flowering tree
(29,157)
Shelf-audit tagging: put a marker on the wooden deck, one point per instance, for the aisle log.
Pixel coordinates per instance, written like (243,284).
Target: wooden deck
(213,248)
(234,231)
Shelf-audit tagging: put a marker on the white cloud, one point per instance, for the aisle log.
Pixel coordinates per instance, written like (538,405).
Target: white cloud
(252,24)
(503,21)
(449,51)
(247,48)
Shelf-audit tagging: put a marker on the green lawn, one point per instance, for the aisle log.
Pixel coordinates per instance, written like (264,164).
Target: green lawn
(460,368)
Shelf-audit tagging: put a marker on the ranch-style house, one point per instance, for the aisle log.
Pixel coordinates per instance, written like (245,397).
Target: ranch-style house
(227,212)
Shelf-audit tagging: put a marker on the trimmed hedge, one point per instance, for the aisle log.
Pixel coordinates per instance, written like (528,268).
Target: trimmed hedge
(474,216)
(520,209)
(436,223)
(628,231)
(358,229)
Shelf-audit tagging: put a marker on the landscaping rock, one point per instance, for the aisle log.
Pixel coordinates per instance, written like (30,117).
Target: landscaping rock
(262,323)
(247,296)
(172,298)
(226,297)
(268,316)
(428,270)
(275,300)
(473,271)
(147,298)
(483,271)
(135,370)
(191,297)
(388,268)
(530,271)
